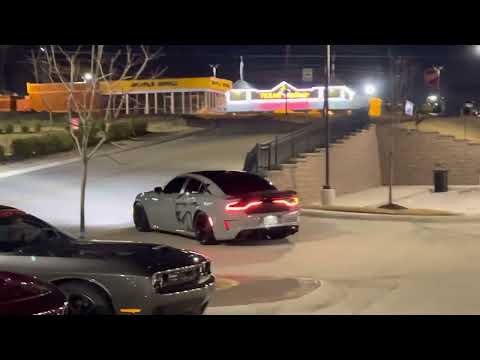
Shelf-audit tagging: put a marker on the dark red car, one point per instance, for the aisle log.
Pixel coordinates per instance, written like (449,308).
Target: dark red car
(22,295)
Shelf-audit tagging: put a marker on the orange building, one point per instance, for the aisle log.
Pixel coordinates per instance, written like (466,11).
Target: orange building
(152,96)
(54,97)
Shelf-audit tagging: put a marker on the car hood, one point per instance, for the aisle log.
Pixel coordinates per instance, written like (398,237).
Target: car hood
(150,258)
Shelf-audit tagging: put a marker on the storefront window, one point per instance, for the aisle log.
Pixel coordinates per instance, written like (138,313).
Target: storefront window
(238,95)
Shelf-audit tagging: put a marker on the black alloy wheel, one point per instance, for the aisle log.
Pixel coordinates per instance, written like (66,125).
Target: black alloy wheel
(140,218)
(85,300)
(203,230)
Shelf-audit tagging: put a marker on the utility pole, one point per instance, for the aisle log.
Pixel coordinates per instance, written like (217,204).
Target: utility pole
(287,55)
(328,194)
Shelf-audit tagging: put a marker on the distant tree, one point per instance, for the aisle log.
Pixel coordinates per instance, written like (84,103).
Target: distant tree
(3,62)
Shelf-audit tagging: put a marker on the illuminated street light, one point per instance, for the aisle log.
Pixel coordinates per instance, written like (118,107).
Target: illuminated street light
(432,98)
(370,89)
(87,76)
(42,49)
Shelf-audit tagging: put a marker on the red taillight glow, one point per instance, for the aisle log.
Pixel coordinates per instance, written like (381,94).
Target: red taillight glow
(238,206)
(226,225)
(288,202)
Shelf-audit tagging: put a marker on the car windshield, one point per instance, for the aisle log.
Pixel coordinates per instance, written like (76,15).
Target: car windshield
(24,231)
(235,184)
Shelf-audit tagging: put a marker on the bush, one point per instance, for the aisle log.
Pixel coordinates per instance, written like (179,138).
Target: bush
(41,145)
(9,129)
(119,130)
(139,127)
(25,129)
(24,148)
(38,127)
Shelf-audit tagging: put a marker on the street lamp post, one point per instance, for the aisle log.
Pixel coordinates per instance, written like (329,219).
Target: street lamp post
(286,101)
(327,125)
(214,69)
(328,193)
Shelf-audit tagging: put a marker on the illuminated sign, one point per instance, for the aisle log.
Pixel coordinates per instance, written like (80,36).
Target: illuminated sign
(136,86)
(283,91)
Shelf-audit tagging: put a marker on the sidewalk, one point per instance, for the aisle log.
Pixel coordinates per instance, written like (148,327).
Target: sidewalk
(45,162)
(459,200)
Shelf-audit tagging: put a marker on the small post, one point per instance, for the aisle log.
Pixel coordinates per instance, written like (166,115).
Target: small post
(292,146)
(257,147)
(269,155)
(276,151)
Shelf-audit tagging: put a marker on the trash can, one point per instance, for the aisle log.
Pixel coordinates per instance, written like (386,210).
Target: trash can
(440,180)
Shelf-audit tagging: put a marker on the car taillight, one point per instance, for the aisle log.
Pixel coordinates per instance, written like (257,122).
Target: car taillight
(292,202)
(242,205)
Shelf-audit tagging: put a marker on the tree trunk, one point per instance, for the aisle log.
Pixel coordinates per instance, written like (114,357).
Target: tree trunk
(82,196)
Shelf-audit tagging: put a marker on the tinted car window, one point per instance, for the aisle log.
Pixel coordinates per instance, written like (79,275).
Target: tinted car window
(174,186)
(193,186)
(240,183)
(19,232)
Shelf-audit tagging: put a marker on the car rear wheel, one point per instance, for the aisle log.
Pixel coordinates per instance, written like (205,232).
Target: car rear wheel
(140,218)
(203,230)
(84,299)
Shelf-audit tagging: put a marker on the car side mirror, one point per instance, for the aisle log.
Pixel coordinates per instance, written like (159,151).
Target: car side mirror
(158,189)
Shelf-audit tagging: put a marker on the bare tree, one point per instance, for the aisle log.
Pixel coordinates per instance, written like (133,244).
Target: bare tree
(83,100)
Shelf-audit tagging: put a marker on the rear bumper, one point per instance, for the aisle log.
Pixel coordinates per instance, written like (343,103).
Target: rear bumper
(244,226)
(277,232)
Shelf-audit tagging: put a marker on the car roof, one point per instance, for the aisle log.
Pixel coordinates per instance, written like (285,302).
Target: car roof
(212,174)
(8,211)
(4,207)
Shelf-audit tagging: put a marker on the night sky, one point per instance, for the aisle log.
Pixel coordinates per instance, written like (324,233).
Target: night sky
(265,65)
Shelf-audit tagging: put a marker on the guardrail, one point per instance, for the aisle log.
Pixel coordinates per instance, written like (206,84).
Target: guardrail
(286,148)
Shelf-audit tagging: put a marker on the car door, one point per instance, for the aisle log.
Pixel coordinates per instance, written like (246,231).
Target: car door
(187,204)
(163,211)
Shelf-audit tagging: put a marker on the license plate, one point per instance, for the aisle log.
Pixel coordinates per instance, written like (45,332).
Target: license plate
(270,220)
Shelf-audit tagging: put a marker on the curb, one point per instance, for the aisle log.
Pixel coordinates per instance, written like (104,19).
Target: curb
(154,143)
(384,217)
(322,297)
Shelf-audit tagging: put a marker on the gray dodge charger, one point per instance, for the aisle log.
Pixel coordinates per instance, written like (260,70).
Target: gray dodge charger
(105,277)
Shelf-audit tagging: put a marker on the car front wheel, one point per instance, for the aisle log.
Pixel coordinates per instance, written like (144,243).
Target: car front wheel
(84,299)
(140,218)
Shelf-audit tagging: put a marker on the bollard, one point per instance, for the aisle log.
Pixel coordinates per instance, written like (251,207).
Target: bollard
(276,151)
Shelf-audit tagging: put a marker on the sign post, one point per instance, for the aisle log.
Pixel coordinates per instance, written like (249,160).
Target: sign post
(307,74)
(75,123)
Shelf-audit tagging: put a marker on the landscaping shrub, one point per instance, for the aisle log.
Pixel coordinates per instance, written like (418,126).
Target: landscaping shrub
(38,127)
(25,129)
(23,148)
(9,129)
(119,130)
(42,145)
(139,127)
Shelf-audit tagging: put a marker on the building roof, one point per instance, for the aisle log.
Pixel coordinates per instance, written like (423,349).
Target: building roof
(242,84)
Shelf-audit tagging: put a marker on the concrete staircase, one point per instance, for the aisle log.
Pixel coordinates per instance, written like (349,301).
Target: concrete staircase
(354,166)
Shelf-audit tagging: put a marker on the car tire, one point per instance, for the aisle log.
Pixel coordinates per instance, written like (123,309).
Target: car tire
(203,230)
(140,218)
(85,299)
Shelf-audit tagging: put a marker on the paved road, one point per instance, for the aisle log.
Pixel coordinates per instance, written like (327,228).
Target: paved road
(366,267)
(114,181)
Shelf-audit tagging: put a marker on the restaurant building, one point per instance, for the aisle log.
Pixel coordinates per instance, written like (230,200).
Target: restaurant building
(154,96)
